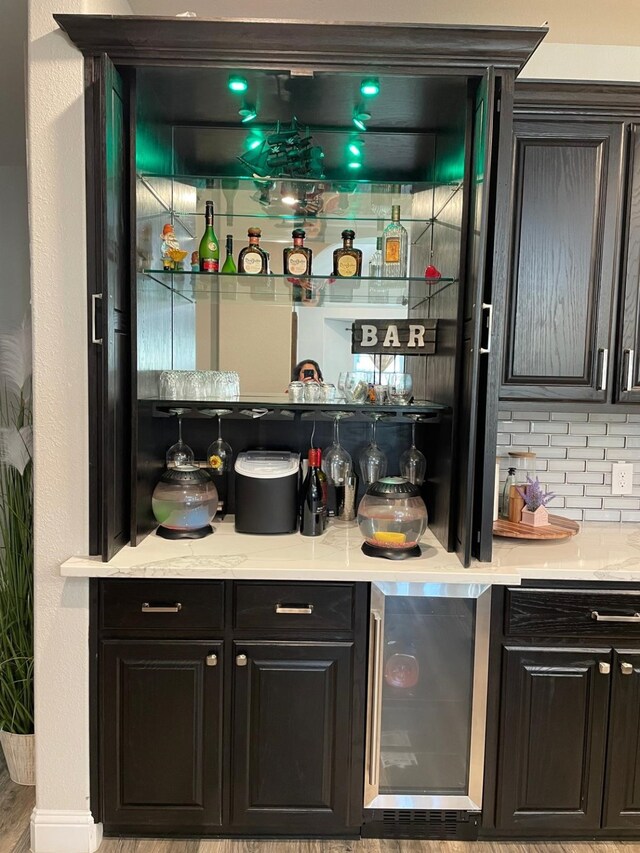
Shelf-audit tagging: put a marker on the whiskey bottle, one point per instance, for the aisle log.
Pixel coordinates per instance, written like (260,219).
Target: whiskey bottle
(209,251)
(252,259)
(347,261)
(229,265)
(395,247)
(297,260)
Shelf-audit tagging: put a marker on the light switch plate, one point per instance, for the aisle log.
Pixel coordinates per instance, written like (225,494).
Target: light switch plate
(622,478)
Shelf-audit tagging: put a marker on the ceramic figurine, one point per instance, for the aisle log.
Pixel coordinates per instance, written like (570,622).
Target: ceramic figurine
(172,254)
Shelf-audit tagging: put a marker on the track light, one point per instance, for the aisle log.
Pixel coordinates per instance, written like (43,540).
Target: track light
(370,87)
(360,116)
(247,113)
(354,165)
(355,147)
(237,84)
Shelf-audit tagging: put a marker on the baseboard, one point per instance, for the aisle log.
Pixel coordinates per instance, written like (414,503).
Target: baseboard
(62,831)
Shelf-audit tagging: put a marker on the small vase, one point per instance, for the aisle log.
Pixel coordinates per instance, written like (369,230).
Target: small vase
(537,518)
(19,754)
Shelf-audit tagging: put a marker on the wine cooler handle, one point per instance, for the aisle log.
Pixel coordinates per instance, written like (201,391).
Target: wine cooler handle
(161,608)
(486,306)
(94,299)
(301,610)
(376,700)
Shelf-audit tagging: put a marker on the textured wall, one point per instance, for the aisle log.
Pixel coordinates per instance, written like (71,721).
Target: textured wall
(574,457)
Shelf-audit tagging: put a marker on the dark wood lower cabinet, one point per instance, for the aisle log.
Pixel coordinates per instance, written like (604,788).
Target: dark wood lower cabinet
(622,790)
(161,743)
(552,740)
(292,734)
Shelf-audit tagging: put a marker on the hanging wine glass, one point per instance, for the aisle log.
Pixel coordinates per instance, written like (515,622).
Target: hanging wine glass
(336,461)
(413,464)
(219,452)
(373,460)
(179,453)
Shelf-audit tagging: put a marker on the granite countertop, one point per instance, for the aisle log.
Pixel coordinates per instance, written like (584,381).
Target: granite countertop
(601,551)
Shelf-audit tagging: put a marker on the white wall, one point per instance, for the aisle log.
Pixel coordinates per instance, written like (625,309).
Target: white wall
(61,820)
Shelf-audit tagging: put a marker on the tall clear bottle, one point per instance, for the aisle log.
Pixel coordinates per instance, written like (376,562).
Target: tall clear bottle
(375,264)
(395,247)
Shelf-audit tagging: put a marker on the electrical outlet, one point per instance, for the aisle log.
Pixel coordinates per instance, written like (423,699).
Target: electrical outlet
(622,478)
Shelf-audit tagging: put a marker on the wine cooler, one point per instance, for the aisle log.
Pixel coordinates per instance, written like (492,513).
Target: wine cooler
(427,699)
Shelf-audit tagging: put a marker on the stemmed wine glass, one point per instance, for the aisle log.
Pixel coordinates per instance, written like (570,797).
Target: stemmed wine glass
(179,453)
(219,452)
(373,460)
(336,462)
(413,464)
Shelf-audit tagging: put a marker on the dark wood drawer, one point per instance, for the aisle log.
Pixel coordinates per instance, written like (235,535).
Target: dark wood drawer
(169,605)
(294,606)
(572,612)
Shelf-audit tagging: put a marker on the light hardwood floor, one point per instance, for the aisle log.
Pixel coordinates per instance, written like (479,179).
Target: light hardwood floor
(17,801)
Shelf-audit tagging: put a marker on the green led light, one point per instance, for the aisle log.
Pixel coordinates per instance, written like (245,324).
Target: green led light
(247,114)
(359,123)
(354,164)
(370,88)
(237,84)
(254,143)
(354,148)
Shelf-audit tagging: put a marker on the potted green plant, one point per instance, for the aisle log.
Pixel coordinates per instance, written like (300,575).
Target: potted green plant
(16,557)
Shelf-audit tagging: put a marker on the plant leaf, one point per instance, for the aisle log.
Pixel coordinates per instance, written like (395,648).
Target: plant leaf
(15,358)
(16,447)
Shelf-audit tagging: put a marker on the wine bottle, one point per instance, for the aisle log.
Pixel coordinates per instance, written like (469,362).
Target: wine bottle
(312,506)
(209,251)
(395,247)
(229,265)
(347,261)
(297,259)
(324,482)
(252,259)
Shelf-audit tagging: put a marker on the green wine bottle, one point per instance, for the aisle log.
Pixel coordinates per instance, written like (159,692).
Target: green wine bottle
(209,251)
(229,265)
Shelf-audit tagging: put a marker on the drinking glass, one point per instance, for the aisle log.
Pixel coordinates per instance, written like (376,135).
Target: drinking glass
(296,392)
(312,392)
(336,462)
(341,380)
(169,385)
(356,386)
(179,453)
(328,392)
(373,460)
(219,452)
(400,386)
(413,464)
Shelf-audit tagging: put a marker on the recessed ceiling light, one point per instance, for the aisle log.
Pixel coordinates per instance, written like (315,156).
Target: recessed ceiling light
(370,87)
(237,84)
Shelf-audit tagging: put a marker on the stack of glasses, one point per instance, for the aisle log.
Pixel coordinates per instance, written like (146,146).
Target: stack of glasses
(199,385)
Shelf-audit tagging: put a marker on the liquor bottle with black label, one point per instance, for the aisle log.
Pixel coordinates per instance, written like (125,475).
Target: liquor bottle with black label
(297,259)
(229,265)
(312,499)
(209,251)
(395,247)
(252,259)
(347,261)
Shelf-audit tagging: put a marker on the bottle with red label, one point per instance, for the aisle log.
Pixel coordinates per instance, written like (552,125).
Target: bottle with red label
(209,251)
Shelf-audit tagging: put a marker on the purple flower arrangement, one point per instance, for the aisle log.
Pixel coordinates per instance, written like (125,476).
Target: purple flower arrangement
(533,495)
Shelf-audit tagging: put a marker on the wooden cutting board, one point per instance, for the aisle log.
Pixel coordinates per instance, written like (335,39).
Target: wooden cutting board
(558,528)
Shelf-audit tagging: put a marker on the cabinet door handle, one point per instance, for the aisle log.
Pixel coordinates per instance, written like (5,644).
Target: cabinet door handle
(212,660)
(626,668)
(301,610)
(486,306)
(603,364)
(94,299)
(604,668)
(241,660)
(161,608)
(627,369)
(602,617)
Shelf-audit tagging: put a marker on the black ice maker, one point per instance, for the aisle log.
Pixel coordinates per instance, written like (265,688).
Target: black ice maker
(267,491)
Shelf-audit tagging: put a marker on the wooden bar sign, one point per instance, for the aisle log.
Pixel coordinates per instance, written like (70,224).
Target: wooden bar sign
(399,337)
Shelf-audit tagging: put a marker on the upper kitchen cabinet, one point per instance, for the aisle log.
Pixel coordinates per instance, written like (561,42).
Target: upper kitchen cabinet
(300,143)
(573,223)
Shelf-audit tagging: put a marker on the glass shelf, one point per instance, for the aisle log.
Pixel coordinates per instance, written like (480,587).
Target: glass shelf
(280,405)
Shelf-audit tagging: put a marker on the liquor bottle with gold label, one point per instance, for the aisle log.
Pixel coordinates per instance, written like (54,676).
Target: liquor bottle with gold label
(209,251)
(296,259)
(252,259)
(395,247)
(347,261)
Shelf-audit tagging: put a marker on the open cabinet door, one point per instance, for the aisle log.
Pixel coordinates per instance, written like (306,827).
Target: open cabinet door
(107,145)
(476,322)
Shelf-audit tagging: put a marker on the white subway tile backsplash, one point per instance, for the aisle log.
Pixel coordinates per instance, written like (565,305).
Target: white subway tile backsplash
(633,419)
(551,427)
(602,515)
(504,416)
(566,416)
(568,489)
(625,429)
(618,455)
(585,477)
(597,465)
(534,439)
(601,490)
(514,426)
(575,514)
(585,503)
(586,453)
(551,477)
(570,465)
(551,452)
(504,438)
(621,502)
(607,418)
(588,429)
(633,441)
(629,515)
(606,441)
(569,440)
(530,416)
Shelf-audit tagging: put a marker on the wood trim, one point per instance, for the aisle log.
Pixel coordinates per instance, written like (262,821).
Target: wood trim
(268,43)
(579,97)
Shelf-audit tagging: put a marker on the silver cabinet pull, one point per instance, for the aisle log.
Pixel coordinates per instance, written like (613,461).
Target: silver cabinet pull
(241,660)
(212,660)
(627,369)
(94,299)
(161,608)
(376,700)
(605,668)
(603,360)
(602,617)
(486,306)
(302,610)
(626,668)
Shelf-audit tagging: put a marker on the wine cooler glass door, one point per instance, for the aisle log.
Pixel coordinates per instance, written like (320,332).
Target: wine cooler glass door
(427,696)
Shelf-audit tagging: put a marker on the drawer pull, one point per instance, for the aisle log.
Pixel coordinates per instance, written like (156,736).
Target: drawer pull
(302,610)
(605,668)
(161,608)
(241,660)
(212,660)
(626,668)
(602,617)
